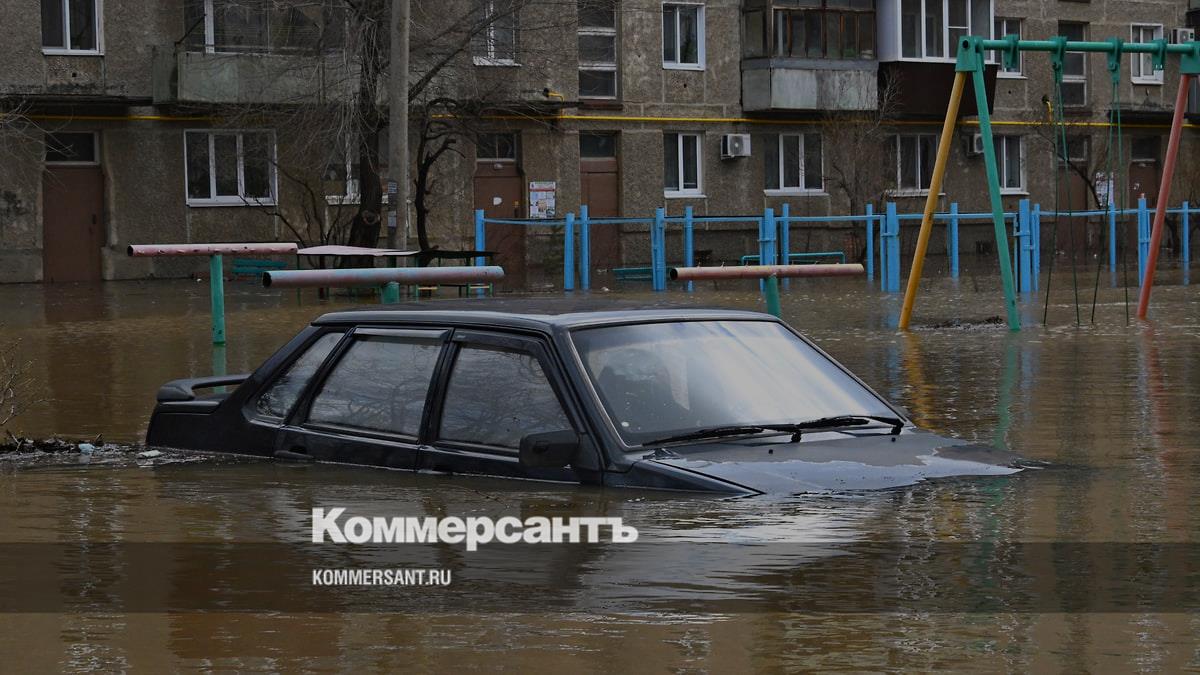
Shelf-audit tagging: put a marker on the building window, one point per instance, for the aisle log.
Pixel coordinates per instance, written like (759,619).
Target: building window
(230,168)
(72,147)
(683,36)
(597,145)
(71,26)
(1143,64)
(930,29)
(237,26)
(342,179)
(1074,85)
(1010,162)
(496,44)
(793,163)
(597,49)
(496,147)
(1076,151)
(682,163)
(1010,27)
(825,29)
(1145,149)
(915,154)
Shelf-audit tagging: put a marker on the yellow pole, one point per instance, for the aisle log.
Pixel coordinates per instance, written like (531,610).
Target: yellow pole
(935,188)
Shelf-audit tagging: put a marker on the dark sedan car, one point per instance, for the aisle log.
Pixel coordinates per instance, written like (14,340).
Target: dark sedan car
(684,399)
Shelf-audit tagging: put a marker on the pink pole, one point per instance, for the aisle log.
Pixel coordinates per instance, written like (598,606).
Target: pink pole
(1164,194)
(765,271)
(250,249)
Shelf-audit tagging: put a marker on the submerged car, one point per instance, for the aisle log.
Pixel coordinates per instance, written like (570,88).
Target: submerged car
(684,399)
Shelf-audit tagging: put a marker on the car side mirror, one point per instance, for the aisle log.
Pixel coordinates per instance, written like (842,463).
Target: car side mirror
(550,449)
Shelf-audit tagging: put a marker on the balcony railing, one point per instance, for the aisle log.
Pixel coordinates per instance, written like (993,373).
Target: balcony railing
(235,74)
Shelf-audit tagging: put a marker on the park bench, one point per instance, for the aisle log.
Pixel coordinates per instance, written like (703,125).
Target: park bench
(253,268)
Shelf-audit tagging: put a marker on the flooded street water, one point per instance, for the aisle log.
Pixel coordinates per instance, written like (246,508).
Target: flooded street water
(719,586)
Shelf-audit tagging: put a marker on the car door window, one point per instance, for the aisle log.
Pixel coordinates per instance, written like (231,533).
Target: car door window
(495,397)
(379,384)
(277,401)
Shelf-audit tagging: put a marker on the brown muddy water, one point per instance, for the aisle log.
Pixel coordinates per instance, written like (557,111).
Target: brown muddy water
(121,558)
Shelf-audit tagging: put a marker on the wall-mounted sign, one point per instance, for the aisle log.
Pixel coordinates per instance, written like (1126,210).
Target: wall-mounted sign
(541,198)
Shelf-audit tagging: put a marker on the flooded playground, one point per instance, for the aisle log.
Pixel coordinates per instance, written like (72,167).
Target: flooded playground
(1108,405)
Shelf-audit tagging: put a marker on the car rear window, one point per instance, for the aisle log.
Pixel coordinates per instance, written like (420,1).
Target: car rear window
(277,401)
(379,384)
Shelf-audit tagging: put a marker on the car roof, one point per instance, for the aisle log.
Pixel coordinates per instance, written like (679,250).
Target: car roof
(540,313)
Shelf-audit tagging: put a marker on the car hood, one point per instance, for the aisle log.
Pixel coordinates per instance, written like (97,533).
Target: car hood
(857,462)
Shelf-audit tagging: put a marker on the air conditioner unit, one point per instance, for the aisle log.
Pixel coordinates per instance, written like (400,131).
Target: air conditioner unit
(1182,35)
(735,145)
(975,147)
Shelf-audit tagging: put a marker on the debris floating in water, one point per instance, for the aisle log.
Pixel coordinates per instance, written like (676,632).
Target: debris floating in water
(149,454)
(14,445)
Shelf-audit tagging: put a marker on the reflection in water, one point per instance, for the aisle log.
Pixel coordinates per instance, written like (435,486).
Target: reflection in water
(1107,404)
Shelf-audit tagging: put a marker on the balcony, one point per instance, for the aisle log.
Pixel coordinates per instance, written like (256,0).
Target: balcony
(815,56)
(808,85)
(183,75)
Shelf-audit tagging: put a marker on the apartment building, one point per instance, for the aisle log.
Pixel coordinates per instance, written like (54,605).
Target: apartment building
(126,120)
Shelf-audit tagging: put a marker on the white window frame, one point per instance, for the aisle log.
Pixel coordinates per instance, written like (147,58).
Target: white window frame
(1019,73)
(801,190)
(1002,163)
(949,52)
(489,41)
(697,191)
(230,200)
(66,49)
(700,30)
(352,193)
(901,191)
(1144,61)
(95,151)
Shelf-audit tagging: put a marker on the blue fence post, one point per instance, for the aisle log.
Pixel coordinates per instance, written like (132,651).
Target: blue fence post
(1036,220)
(893,249)
(870,242)
(767,230)
(689,253)
(569,252)
(585,249)
(1143,221)
(480,242)
(952,238)
(658,256)
(1024,247)
(785,240)
(1185,239)
(883,253)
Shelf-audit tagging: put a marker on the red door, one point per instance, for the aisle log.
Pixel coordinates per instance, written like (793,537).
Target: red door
(72,223)
(498,190)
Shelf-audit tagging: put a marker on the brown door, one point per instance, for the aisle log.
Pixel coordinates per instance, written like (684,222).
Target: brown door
(498,191)
(600,191)
(600,183)
(72,223)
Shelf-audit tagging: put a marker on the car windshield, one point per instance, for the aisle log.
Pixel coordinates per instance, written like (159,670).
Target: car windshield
(657,380)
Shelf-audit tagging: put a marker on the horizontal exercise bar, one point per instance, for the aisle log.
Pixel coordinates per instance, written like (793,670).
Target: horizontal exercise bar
(1088,46)
(163,250)
(377,276)
(766,271)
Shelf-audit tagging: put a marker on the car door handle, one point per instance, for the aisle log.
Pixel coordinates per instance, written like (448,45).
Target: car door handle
(296,454)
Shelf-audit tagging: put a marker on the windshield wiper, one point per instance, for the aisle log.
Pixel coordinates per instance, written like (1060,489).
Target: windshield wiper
(718,432)
(795,429)
(841,421)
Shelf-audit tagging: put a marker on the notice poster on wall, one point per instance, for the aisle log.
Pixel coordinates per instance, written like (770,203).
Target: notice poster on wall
(1104,188)
(541,198)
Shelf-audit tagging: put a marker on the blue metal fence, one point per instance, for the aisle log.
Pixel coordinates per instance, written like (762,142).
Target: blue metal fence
(774,240)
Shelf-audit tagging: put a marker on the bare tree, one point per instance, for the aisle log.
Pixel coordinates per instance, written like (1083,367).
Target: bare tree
(14,383)
(335,125)
(852,138)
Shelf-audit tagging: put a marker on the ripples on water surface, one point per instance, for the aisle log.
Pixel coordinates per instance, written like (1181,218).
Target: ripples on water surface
(1112,406)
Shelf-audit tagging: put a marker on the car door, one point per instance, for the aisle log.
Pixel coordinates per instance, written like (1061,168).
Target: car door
(367,404)
(495,389)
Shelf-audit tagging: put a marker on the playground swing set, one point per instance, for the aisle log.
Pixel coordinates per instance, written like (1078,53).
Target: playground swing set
(970,61)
